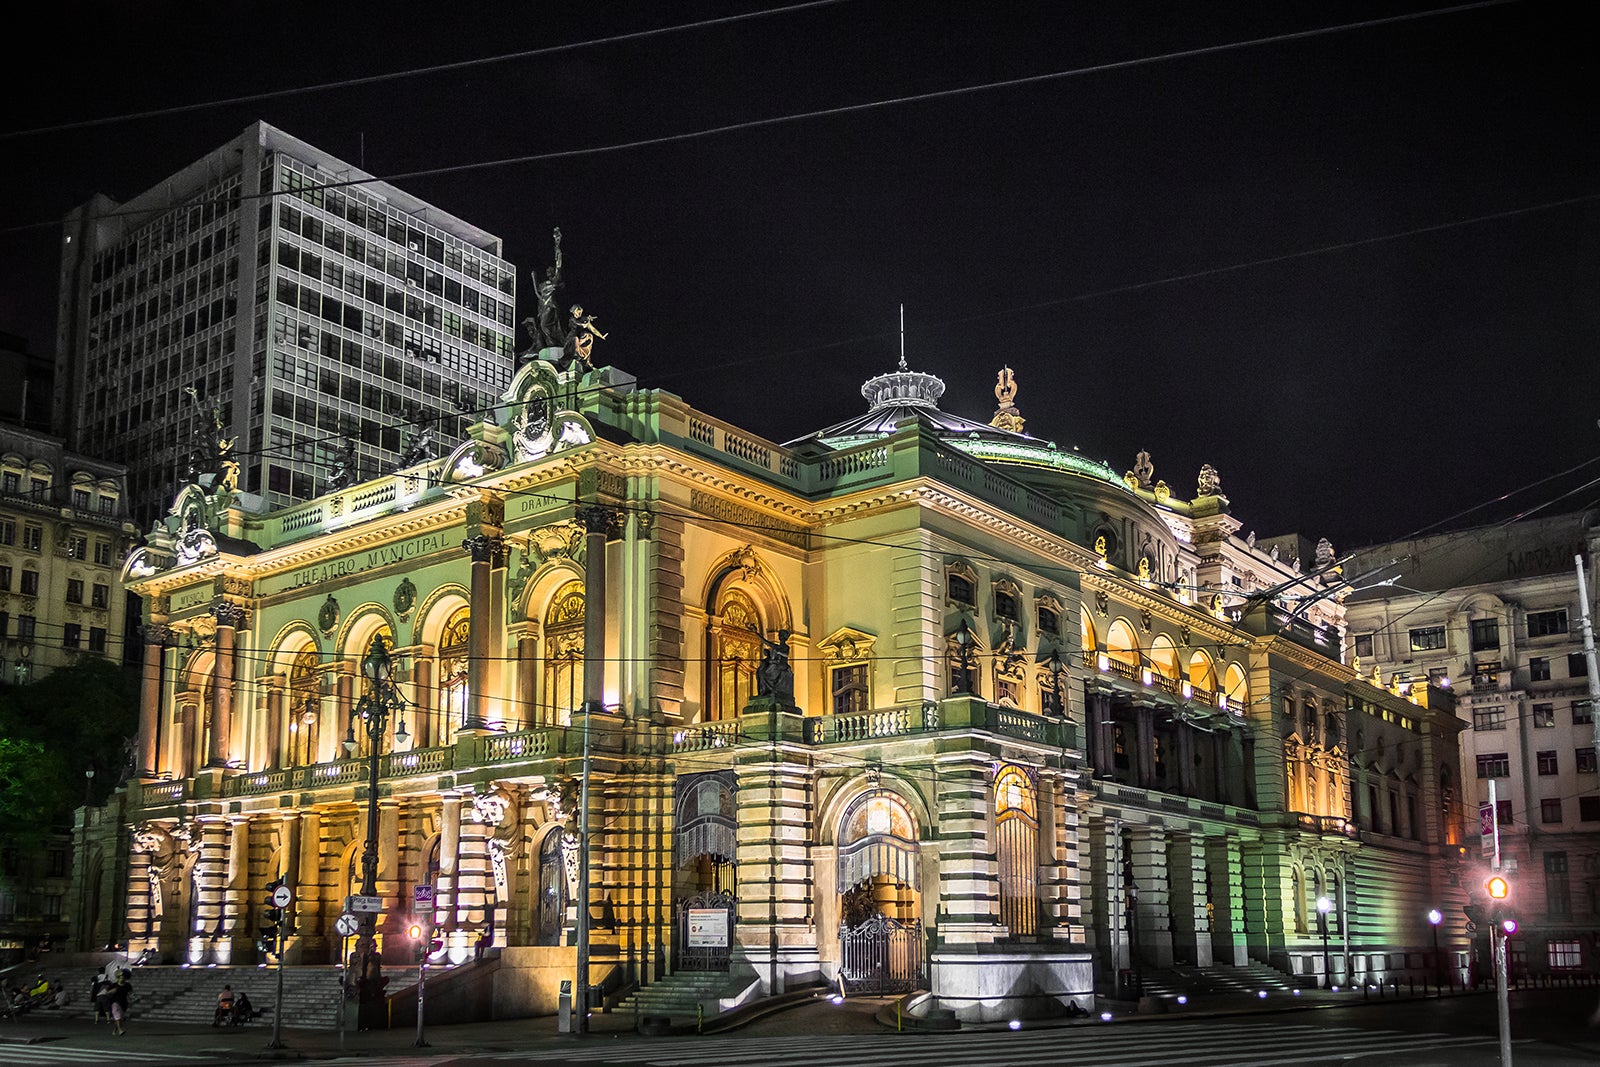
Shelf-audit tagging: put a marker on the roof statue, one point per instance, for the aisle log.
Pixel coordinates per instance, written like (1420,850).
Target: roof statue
(346,469)
(1006,417)
(1210,481)
(545,328)
(211,451)
(419,442)
(1143,469)
(551,339)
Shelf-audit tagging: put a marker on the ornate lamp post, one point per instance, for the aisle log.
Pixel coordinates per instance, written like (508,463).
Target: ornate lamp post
(1324,905)
(1435,917)
(373,711)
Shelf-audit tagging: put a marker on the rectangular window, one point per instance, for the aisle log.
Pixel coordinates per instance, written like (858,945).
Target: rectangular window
(1544,715)
(32,537)
(8,532)
(1539,669)
(97,639)
(1426,638)
(30,583)
(850,689)
(1485,634)
(56,863)
(1364,646)
(1566,955)
(1585,758)
(101,596)
(80,499)
(1494,765)
(5,579)
(1550,810)
(71,635)
(74,590)
(1589,809)
(1577,665)
(1489,717)
(1547,623)
(1548,763)
(52,907)
(1557,886)
(25,625)
(1582,713)
(102,553)
(1502,812)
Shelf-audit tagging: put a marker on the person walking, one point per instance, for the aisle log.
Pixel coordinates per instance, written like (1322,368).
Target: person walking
(121,994)
(100,994)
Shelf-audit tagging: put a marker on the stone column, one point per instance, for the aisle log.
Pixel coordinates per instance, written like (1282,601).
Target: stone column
(474,873)
(1186,873)
(1145,764)
(1154,916)
(392,929)
(330,747)
(1059,888)
(275,726)
(1263,905)
(209,885)
(527,672)
(189,738)
(143,928)
(311,929)
(1227,901)
(1185,755)
(776,926)
(597,523)
(235,945)
(156,636)
(1098,715)
(425,696)
(969,902)
(219,747)
(483,619)
(444,893)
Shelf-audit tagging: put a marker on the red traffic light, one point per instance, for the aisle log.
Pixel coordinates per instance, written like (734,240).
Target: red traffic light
(1509,926)
(1498,887)
(416,931)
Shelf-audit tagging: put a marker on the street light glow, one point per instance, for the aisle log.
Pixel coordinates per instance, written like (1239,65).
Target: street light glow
(1435,917)
(1324,905)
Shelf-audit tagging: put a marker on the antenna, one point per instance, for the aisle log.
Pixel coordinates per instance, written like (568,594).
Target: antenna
(902,337)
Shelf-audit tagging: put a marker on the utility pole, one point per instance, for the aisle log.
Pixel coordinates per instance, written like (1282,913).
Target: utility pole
(1588,653)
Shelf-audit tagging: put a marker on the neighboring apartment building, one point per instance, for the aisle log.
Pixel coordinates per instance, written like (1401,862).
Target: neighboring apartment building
(256,288)
(25,400)
(34,897)
(914,702)
(1495,610)
(64,533)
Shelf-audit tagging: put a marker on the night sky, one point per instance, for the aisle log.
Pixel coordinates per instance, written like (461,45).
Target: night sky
(1175,255)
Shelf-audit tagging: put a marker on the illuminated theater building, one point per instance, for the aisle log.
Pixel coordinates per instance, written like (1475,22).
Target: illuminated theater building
(914,702)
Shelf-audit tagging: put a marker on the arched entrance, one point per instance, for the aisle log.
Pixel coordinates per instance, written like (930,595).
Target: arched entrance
(880,896)
(704,846)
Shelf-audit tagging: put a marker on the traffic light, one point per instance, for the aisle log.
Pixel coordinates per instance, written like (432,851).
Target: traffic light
(1502,911)
(418,946)
(272,920)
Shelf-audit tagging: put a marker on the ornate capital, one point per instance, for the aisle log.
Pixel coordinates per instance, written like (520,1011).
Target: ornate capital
(597,518)
(156,633)
(230,614)
(483,548)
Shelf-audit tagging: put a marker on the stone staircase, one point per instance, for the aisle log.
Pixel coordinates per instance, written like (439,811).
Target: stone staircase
(189,994)
(1220,980)
(681,994)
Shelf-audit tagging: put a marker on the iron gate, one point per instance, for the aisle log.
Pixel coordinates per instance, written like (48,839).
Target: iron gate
(705,937)
(882,955)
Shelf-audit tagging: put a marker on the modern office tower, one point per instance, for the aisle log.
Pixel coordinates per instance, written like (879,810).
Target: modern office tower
(310,311)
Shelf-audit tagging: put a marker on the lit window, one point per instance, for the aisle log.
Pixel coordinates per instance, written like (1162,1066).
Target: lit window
(1544,715)
(1566,955)
(1426,638)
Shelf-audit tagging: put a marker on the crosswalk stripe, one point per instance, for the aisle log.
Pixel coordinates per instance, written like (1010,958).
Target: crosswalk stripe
(51,1053)
(1252,1045)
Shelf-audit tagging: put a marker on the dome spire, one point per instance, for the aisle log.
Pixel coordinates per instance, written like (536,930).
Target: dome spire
(902,387)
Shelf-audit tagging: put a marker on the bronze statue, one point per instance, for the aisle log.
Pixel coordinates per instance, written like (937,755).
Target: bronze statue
(546,327)
(775,678)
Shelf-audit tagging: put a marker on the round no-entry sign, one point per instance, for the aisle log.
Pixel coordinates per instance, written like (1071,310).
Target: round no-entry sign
(281,896)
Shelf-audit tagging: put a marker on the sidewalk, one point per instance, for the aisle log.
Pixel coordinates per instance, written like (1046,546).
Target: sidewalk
(855,1015)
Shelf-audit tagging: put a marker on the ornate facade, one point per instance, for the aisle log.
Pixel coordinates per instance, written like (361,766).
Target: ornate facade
(913,702)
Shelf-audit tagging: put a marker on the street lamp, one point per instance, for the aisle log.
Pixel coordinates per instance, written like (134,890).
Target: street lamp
(1435,917)
(373,710)
(85,920)
(1324,905)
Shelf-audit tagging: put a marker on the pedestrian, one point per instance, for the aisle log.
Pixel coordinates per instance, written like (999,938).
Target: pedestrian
(100,993)
(121,994)
(224,1012)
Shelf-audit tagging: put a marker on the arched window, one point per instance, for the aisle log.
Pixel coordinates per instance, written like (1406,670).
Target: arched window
(1297,893)
(1017,830)
(1088,640)
(1308,720)
(452,674)
(1236,687)
(1202,672)
(305,708)
(1164,657)
(563,656)
(1121,644)
(736,653)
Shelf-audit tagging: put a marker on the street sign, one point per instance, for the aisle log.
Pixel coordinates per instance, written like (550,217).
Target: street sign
(347,925)
(364,904)
(424,894)
(281,896)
